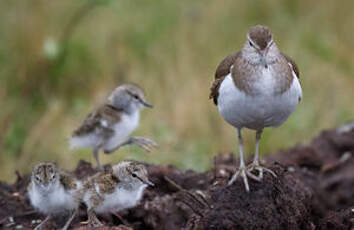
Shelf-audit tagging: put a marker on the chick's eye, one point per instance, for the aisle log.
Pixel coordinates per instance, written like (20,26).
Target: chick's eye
(136,97)
(133,175)
(250,43)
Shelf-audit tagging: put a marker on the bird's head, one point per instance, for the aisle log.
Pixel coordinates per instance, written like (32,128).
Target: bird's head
(129,97)
(45,175)
(259,44)
(133,173)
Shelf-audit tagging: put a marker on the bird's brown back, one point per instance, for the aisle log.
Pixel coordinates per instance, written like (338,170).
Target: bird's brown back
(106,112)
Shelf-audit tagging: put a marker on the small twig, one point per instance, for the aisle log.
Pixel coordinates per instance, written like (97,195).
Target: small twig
(31,212)
(120,218)
(203,198)
(174,184)
(192,207)
(4,219)
(331,166)
(192,196)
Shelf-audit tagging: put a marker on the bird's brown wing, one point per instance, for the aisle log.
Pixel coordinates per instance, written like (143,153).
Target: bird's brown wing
(91,122)
(67,180)
(107,183)
(96,120)
(293,65)
(221,72)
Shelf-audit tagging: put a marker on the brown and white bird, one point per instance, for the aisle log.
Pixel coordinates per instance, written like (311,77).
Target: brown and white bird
(255,88)
(54,192)
(109,126)
(117,188)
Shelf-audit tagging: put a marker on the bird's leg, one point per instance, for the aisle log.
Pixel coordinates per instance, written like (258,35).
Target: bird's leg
(93,221)
(255,165)
(39,227)
(142,142)
(242,169)
(68,222)
(95,154)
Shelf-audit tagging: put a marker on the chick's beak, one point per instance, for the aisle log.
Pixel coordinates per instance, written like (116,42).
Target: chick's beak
(147,182)
(146,104)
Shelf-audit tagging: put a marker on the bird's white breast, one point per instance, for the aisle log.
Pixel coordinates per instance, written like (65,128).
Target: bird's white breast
(123,129)
(54,200)
(263,109)
(121,199)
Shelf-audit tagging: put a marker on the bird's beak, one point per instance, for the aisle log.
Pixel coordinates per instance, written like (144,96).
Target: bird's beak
(45,186)
(146,104)
(147,182)
(263,54)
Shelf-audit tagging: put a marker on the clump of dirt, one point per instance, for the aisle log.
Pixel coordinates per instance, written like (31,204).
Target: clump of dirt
(264,207)
(314,189)
(326,165)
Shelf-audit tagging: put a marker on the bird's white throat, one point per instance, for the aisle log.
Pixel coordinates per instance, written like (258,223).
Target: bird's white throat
(53,200)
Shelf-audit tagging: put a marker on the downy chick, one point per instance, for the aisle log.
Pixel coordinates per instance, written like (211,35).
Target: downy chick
(116,189)
(53,192)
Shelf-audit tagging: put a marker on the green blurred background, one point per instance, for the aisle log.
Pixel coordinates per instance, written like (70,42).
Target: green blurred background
(59,59)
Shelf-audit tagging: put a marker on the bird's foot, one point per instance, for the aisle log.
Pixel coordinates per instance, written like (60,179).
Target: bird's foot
(93,221)
(145,143)
(256,166)
(243,172)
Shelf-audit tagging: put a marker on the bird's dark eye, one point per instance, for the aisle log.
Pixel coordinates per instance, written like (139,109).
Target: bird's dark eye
(250,43)
(134,175)
(136,96)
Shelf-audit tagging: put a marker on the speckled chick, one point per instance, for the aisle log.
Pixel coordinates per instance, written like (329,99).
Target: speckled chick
(117,188)
(53,192)
(109,126)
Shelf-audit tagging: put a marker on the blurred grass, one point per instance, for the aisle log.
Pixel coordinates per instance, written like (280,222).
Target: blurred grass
(59,59)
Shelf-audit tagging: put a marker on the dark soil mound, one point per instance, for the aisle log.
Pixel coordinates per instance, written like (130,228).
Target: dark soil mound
(314,189)
(264,207)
